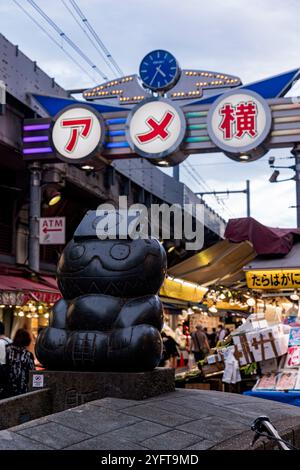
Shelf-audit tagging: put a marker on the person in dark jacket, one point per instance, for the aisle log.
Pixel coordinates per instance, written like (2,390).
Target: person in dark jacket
(19,362)
(200,346)
(170,351)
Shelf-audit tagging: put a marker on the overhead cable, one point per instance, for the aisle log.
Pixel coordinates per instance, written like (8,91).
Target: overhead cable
(53,40)
(69,41)
(96,37)
(96,46)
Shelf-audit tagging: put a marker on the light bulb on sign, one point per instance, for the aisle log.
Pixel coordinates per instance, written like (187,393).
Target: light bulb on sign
(251,302)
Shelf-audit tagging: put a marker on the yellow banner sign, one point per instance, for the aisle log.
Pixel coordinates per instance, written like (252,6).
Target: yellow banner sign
(273,280)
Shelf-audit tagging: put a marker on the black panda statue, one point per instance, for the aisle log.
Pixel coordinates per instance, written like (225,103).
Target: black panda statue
(110,316)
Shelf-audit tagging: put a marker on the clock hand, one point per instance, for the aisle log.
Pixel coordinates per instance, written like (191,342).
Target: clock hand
(157,70)
(161,72)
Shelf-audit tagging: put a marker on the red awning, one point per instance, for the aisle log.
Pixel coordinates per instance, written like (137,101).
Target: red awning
(20,283)
(265,240)
(51,281)
(31,289)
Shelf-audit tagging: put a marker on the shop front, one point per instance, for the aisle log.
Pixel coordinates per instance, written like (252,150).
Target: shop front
(26,302)
(268,343)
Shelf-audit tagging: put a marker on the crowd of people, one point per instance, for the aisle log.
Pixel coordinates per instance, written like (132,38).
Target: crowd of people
(15,362)
(184,344)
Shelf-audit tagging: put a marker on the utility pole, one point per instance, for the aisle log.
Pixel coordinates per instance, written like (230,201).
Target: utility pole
(176,175)
(34,216)
(248,197)
(296,153)
(244,191)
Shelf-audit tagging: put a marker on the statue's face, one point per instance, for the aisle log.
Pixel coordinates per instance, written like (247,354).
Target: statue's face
(128,264)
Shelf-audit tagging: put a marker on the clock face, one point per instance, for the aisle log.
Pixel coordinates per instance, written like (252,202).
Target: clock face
(159,70)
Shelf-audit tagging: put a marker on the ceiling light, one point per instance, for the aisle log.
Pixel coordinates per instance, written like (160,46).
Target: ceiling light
(87,167)
(294,296)
(251,302)
(52,195)
(213,309)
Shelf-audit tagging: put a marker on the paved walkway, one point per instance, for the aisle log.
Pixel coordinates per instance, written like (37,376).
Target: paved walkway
(184,419)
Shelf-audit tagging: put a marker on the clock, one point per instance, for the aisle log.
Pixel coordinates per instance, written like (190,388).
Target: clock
(159,70)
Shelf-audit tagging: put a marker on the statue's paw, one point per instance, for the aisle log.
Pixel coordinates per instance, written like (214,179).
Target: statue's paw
(93,312)
(87,350)
(58,314)
(135,348)
(50,347)
(145,310)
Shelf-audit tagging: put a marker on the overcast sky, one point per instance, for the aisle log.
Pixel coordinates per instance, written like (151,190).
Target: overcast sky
(252,40)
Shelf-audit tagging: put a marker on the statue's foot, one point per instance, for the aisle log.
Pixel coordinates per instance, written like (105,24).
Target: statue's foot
(128,349)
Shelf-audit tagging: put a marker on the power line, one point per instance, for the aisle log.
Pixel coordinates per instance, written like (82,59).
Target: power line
(192,172)
(66,38)
(88,36)
(96,37)
(53,40)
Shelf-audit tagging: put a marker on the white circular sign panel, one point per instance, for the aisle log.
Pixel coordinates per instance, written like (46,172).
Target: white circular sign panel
(239,121)
(77,133)
(155,128)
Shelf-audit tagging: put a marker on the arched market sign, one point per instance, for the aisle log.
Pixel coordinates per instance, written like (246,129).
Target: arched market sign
(165,114)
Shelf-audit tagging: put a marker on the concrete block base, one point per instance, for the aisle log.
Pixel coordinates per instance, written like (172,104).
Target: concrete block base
(72,388)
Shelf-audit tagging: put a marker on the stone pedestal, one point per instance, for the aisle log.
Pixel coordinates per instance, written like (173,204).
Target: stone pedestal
(73,388)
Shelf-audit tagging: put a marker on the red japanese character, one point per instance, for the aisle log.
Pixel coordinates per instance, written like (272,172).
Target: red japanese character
(157,128)
(80,127)
(246,119)
(228,119)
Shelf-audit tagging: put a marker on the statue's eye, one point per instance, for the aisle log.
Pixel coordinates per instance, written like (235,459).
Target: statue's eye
(120,251)
(77,251)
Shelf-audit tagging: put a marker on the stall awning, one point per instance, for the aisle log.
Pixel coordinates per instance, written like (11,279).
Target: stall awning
(181,290)
(289,261)
(265,240)
(51,281)
(18,290)
(222,263)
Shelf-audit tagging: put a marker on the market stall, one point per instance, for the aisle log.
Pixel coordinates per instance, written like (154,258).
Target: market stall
(259,354)
(26,300)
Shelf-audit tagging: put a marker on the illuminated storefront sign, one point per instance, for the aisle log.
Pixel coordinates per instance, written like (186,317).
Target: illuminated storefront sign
(277,279)
(238,123)
(77,133)
(155,128)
